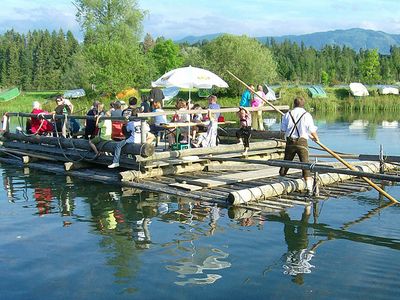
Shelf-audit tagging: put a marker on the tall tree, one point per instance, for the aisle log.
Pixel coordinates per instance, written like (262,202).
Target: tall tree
(148,43)
(112,31)
(167,55)
(243,56)
(370,66)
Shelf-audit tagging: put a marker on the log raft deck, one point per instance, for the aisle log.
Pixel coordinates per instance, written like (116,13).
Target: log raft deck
(220,174)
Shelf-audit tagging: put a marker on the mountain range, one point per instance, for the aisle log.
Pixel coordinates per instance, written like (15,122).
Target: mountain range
(355,38)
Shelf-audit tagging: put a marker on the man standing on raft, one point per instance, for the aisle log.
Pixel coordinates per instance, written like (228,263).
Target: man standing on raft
(298,126)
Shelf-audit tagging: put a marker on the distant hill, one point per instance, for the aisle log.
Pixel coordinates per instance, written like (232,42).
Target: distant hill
(355,38)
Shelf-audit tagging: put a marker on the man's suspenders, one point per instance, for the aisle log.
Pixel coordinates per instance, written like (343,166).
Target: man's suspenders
(295,124)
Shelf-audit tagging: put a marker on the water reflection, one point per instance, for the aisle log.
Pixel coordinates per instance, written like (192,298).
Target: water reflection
(388,124)
(358,125)
(145,234)
(195,264)
(298,257)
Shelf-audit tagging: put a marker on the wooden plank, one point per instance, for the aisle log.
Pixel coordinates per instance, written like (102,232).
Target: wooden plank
(186,186)
(232,178)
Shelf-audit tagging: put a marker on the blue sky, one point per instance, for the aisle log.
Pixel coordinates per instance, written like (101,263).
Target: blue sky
(179,18)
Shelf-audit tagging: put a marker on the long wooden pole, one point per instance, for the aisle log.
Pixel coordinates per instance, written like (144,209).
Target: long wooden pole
(252,90)
(348,165)
(351,167)
(311,167)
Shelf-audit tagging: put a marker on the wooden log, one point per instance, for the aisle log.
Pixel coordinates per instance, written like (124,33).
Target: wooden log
(367,157)
(363,170)
(255,134)
(26,159)
(207,151)
(144,150)
(286,187)
(68,166)
(54,153)
(286,199)
(133,175)
(21,153)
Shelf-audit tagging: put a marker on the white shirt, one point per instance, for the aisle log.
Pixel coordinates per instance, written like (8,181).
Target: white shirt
(305,126)
(160,119)
(134,127)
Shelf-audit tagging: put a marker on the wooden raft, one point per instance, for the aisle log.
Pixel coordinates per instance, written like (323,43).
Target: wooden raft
(268,192)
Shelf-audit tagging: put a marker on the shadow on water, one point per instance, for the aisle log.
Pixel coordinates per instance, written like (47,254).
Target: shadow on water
(125,220)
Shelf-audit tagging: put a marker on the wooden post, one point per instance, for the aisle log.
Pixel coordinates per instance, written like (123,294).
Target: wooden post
(381,160)
(316,181)
(142,132)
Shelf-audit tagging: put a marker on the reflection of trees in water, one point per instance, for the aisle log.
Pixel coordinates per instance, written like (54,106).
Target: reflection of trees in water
(123,219)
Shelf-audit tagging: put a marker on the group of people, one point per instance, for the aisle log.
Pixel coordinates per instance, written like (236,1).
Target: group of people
(297,124)
(58,127)
(250,120)
(251,99)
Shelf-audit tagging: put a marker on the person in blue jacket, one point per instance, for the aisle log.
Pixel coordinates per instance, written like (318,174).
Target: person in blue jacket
(247,96)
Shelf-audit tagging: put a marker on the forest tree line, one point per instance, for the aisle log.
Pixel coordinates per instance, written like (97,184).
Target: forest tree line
(113,56)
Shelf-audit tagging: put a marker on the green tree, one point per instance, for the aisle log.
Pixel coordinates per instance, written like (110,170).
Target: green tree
(243,56)
(111,42)
(148,43)
(324,78)
(167,55)
(395,61)
(192,56)
(370,67)
(105,21)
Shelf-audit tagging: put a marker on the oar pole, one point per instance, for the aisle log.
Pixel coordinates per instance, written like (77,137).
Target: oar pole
(351,167)
(252,90)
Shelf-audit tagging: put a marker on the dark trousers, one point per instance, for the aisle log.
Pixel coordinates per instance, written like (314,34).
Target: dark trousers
(245,134)
(293,147)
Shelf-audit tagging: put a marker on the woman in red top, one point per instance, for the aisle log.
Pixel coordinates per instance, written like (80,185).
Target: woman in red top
(39,125)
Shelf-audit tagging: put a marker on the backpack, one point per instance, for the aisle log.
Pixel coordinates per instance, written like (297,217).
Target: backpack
(125,131)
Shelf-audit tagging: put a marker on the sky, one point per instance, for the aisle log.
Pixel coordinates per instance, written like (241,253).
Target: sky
(176,19)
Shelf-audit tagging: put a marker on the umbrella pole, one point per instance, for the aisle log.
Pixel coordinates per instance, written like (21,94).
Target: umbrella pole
(190,120)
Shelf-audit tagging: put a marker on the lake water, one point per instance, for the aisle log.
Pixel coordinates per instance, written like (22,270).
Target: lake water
(64,238)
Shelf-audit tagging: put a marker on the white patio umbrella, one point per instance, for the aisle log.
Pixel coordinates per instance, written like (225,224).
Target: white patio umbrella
(189,78)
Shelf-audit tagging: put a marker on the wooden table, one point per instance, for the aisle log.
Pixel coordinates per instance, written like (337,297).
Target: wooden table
(174,127)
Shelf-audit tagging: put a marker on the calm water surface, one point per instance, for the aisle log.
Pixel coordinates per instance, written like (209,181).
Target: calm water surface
(63,238)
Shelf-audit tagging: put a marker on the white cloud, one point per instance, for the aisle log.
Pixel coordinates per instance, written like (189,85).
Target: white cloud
(179,18)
